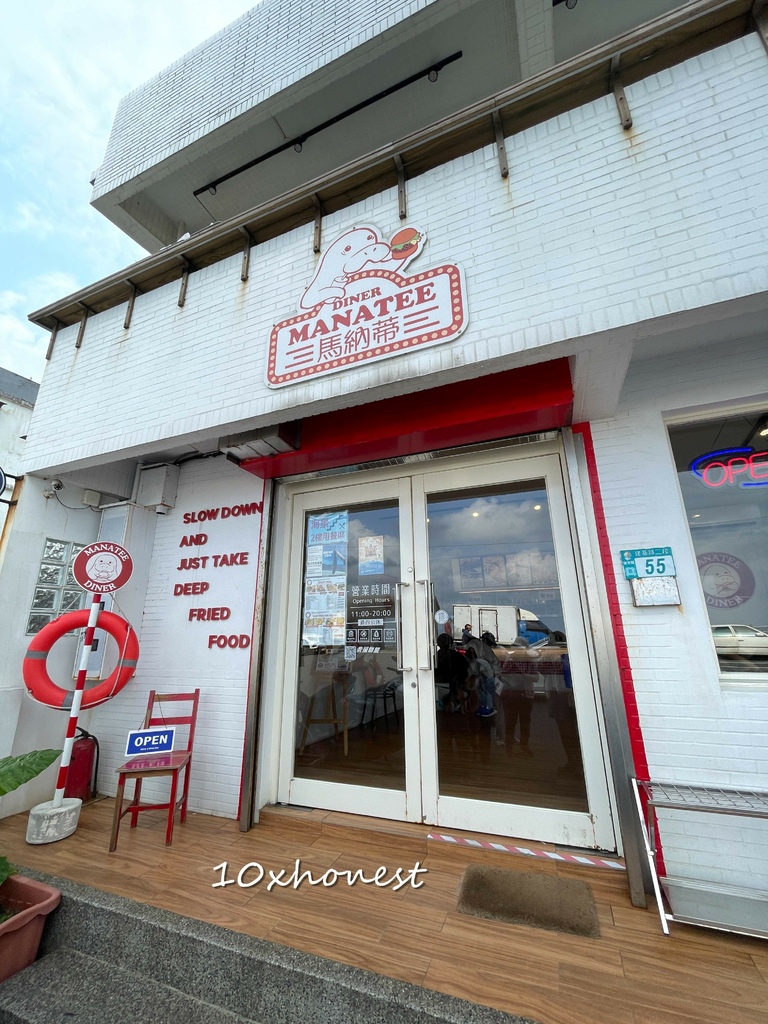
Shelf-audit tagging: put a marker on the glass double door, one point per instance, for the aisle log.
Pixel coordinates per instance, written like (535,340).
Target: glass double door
(436,667)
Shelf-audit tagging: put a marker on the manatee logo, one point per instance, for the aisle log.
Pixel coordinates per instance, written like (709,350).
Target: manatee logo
(727,581)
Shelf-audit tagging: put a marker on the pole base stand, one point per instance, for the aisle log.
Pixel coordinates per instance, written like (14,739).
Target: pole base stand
(48,824)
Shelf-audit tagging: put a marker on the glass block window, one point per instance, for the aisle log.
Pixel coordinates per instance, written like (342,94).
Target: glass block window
(55,590)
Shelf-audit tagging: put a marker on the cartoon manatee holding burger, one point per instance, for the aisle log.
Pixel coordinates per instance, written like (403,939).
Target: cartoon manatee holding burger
(351,252)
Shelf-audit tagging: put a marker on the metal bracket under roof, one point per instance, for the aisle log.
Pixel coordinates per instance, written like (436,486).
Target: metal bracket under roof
(501,148)
(618,92)
(81,329)
(131,302)
(245,267)
(402,200)
(184,279)
(52,341)
(318,235)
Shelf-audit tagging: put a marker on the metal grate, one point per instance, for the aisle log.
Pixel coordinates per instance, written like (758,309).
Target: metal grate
(716,799)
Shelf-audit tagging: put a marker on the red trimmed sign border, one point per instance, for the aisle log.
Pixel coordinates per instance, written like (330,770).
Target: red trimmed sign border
(452,326)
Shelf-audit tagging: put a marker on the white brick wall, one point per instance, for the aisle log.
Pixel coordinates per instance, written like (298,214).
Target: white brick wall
(694,729)
(174,653)
(595,229)
(536,43)
(266,50)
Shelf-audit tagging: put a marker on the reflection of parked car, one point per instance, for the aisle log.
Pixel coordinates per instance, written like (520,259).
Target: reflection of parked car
(740,639)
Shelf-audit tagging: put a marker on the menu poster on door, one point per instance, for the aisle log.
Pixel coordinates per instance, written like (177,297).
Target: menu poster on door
(519,570)
(494,571)
(370,556)
(325,580)
(523,570)
(470,573)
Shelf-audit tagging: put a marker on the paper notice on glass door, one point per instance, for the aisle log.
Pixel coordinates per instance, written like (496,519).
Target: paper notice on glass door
(370,556)
(325,579)
(327,544)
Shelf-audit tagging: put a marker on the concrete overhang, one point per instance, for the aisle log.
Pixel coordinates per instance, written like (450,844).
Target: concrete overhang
(207,166)
(696,27)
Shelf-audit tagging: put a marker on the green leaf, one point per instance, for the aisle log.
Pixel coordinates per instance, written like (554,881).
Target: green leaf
(6,869)
(20,768)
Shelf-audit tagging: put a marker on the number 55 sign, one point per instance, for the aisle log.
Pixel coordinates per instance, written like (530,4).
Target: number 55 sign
(640,562)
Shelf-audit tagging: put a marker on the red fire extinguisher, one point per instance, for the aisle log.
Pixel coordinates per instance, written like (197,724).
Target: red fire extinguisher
(83,767)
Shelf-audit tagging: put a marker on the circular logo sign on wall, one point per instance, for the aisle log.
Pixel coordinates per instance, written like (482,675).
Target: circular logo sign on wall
(727,581)
(102,568)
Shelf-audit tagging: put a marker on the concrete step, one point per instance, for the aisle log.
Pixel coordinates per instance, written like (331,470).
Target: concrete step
(226,972)
(67,986)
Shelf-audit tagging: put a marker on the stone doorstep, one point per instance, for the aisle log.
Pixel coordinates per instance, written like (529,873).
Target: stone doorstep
(250,979)
(66,984)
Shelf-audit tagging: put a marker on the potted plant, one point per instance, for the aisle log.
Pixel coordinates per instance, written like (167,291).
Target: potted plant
(24,903)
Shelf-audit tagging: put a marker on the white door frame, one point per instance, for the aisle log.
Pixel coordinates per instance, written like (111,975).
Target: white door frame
(582,829)
(421,801)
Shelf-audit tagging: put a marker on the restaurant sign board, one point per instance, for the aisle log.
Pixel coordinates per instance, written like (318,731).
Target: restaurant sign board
(360,306)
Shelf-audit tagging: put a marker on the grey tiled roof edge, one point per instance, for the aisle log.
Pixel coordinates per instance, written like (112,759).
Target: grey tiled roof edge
(18,389)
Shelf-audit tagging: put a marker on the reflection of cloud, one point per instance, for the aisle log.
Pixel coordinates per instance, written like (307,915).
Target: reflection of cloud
(507,527)
(499,516)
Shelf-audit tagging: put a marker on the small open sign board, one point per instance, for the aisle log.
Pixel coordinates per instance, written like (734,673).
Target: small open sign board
(158,740)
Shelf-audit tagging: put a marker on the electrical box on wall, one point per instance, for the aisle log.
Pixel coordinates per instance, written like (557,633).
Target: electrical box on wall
(157,488)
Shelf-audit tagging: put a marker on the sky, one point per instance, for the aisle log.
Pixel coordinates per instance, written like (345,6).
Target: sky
(64,66)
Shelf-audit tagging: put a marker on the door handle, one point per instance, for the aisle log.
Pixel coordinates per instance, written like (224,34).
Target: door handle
(428,593)
(399,629)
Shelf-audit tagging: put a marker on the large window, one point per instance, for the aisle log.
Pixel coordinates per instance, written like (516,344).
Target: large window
(723,471)
(56,591)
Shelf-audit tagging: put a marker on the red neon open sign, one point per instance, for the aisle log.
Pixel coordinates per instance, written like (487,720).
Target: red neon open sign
(742,466)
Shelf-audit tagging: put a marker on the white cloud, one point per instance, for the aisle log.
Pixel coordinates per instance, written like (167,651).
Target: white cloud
(23,345)
(64,66)
(27,217)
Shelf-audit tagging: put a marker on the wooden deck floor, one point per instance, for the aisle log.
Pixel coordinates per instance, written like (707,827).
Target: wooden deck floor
(632,974)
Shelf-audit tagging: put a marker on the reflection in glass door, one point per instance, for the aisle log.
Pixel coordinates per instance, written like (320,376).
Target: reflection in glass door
(349,711)
(506,717)
(435,656)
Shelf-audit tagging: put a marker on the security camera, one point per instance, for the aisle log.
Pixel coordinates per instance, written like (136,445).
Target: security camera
(57,485)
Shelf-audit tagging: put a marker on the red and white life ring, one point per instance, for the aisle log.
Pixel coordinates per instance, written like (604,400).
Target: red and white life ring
(42,687)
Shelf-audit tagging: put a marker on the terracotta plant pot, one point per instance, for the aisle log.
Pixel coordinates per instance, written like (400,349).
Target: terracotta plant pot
(20,935)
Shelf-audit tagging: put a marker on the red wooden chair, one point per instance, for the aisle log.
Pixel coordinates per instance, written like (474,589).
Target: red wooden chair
(158,765)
